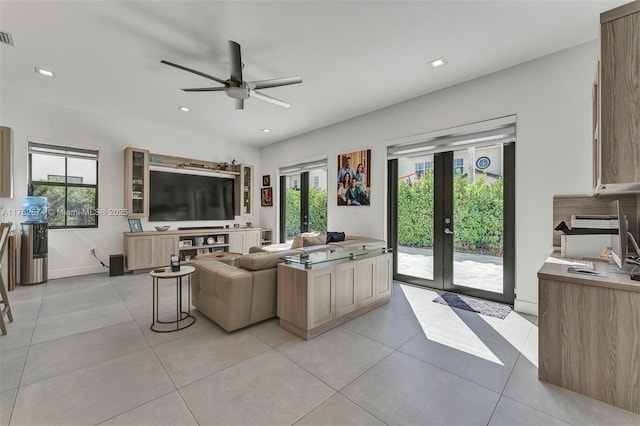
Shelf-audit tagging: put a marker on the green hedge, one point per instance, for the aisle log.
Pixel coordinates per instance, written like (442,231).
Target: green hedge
(477,216)
(317,211)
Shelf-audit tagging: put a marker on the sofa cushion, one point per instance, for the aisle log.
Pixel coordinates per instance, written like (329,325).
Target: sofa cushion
(264,260)
(314,240)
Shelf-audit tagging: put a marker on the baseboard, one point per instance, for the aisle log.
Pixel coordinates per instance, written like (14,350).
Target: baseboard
(73,272)
(526,307)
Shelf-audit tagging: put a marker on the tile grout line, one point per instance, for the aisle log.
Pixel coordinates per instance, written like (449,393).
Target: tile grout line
(26,357)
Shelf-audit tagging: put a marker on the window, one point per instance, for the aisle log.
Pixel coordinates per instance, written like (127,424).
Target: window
(295,184)
(68,177)
(483,163)
(422,167)
(316,182)
(458,166)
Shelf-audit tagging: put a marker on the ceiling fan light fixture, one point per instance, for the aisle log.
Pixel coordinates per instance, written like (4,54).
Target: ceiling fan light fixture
(438,62)
(44,72)
(237,92)
(184,108)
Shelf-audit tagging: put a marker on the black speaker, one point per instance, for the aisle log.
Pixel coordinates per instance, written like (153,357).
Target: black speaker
(116,265)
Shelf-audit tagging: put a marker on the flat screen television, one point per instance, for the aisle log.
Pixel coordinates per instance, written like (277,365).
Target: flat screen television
(179,196)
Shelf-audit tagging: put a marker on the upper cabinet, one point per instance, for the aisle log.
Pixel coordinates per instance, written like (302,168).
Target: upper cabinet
(617,99)
(246,186)
(6,163)
(136,182)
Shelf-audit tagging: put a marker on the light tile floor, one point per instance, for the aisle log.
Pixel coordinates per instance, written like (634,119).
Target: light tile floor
(80,352)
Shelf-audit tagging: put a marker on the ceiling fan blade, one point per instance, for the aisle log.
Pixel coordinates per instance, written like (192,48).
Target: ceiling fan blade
(235,59)
(262,84)
(201,74)
(205,89)
(239,103)
(270,99)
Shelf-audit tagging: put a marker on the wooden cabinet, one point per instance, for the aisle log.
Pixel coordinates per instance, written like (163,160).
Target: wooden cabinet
(165,246)
(618,101)
(312,301)
(346,298)
(589,329)
(146,250)
(138,253)
(6,162)
(136,182)
(251,239)
(321,303)
(384,276)
(367,282)
(236,242)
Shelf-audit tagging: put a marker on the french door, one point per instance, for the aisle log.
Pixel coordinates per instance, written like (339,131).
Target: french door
(303,203)
(452,220)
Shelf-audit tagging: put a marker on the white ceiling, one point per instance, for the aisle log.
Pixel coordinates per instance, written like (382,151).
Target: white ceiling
(354,56)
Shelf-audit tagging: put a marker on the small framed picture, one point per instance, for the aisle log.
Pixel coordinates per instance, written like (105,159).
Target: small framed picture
(266,180)
(135,225)
(202,251)
(267,197)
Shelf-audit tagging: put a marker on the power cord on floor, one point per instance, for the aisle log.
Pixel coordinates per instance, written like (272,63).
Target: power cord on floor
(93,252)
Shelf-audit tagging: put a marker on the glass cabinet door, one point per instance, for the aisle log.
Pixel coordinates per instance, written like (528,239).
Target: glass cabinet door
(137,182)
(247,189)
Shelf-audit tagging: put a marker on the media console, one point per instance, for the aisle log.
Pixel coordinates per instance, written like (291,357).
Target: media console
(147,250)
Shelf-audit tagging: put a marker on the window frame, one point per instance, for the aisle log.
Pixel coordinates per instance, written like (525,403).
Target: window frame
(66,152)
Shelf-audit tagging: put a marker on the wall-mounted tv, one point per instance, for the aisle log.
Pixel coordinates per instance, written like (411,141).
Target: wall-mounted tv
(178,196)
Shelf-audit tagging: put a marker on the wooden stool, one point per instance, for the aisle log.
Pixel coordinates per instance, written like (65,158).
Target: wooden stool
(6,308)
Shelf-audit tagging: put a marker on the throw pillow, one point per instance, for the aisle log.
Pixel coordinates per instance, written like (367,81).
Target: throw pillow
(334,237)
(313,241)
(297,242)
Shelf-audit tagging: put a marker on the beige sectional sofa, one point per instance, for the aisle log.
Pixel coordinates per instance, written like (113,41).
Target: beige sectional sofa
(237,296)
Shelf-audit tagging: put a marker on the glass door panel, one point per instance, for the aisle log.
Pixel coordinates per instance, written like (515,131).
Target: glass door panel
(454,220)
(317,195)
(478,218)
(415,217)
(292,207)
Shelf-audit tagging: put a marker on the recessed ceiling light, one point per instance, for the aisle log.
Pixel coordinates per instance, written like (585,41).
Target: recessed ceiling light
(266,130)
(184,108)
(438,62)
(45,72)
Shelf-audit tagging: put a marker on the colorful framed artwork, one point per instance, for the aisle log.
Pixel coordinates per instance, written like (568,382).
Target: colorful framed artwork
(266,197)
(354,174)
(266,180)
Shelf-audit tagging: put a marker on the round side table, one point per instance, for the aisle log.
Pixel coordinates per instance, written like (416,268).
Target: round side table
(183,319)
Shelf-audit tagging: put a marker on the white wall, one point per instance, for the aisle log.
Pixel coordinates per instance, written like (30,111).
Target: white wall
(69,250)
(552,99)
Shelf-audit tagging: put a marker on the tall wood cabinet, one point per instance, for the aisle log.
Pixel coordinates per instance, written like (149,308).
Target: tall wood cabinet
(136,182)
(617,99)
(6,162)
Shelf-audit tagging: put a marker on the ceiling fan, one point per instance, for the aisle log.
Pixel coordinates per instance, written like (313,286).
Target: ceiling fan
(235,87)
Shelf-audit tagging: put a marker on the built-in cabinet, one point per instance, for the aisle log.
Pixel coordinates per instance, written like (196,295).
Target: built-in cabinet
(266,237)
(6,162)
(246,188)
(136,182)
(617,101)
(146,250)
(314,300)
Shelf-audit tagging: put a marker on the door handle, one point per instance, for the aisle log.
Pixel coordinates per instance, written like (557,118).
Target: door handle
(448,231)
